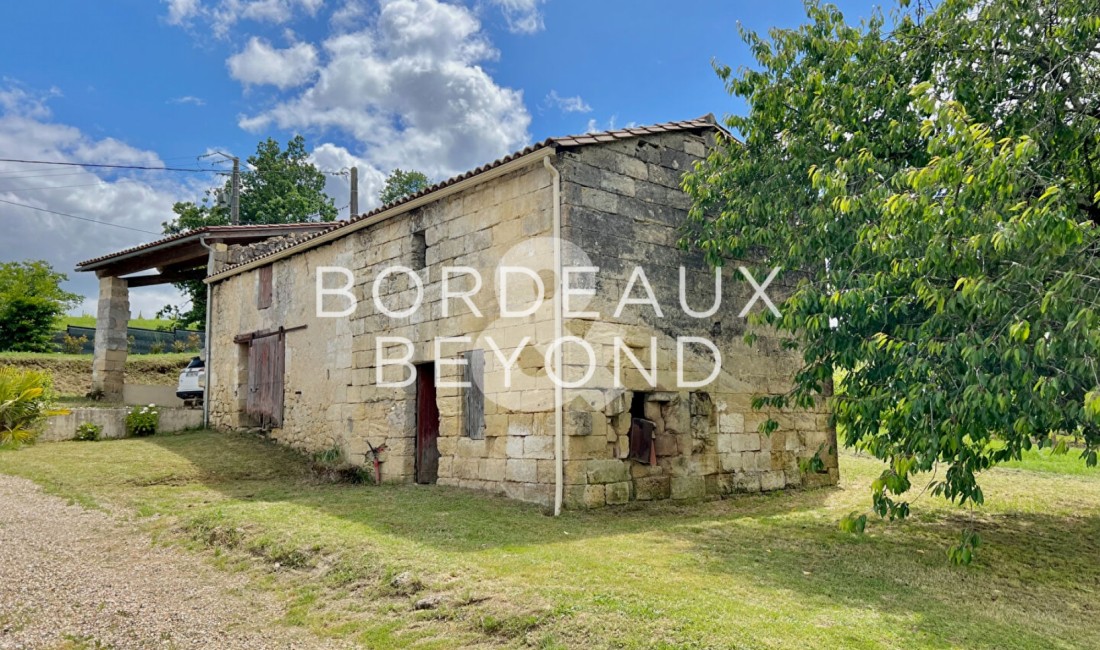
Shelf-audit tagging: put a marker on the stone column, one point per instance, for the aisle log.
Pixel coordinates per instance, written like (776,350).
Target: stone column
(112,319)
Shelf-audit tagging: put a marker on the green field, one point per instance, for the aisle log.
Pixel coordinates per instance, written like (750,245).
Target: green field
(756,571)
(87,320)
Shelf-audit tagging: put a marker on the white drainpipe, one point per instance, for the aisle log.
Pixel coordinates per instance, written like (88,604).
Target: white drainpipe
(559,462)
(208,368)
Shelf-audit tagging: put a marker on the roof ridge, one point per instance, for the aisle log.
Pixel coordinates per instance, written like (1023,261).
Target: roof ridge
(702,122)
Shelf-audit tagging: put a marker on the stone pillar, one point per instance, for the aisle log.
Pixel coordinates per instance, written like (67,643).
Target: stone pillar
(112,319)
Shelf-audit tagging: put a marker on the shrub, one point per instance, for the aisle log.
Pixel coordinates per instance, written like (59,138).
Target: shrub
(88,431)
(25,399)
(194,342)
(179,346)
(142,420)
(31,300)
(27,324)
(73,344)
(156,348)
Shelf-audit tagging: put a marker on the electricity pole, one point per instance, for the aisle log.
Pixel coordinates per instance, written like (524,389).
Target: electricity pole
(354,208)
(235,198)
(234,187)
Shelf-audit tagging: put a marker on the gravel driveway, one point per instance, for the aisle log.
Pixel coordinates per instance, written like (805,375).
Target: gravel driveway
(74,578)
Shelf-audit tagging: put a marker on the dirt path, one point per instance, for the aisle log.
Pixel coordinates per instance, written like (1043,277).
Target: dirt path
(74,578)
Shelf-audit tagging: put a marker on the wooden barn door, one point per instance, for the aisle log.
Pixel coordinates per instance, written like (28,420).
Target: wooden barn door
(265,379)
(427,425)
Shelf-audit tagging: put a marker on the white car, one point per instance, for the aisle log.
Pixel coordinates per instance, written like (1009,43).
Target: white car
(192,380)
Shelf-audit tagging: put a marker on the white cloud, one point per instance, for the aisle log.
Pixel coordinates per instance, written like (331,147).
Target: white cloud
(594,126)
(16,100)
(568,104)
(188,99)
(522,16)
(411,91)
(260,63)
(141,200)
(223,15)
(181,11)
(350,15)
(330,157)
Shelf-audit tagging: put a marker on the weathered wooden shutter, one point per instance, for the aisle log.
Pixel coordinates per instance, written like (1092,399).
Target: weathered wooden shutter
(263,297)
(264,402)
(473,408)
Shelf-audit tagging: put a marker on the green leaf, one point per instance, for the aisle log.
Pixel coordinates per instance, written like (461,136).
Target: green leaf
(1020,331)
(853,523)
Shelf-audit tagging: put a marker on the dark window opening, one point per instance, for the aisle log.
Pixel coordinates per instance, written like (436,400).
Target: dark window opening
(263,296)
(642,431)
(419,250)
(637,404)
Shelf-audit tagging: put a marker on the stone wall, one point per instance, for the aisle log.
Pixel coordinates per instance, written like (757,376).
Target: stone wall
(237,253)
(331,395)
(622,208)
(113,316)
(113,422)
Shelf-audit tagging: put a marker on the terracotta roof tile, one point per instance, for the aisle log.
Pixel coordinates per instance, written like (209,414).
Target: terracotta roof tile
(212,230)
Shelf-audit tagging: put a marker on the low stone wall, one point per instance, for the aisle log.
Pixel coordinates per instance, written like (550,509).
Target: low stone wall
(113,421)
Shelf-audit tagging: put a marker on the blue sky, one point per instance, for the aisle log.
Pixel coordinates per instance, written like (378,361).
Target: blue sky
(422,84)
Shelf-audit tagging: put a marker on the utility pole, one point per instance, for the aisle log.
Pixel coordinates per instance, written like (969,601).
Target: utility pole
(235,199)
(354,211)
(234,187)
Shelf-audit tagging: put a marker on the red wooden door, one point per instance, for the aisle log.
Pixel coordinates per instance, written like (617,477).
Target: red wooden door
(427,425)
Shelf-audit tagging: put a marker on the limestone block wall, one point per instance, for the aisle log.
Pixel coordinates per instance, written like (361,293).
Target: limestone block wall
(332,397)
(622,208)
(318,414)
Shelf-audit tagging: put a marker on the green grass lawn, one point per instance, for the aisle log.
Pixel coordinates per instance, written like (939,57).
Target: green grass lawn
(756,571)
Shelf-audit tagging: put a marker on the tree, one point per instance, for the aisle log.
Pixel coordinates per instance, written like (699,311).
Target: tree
(31,300)
(937,187)
(277,186)
(400,184)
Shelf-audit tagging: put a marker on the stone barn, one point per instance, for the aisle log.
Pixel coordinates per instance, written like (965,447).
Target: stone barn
(529,328)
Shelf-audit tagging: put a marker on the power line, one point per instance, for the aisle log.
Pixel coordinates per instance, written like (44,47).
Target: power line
(23,173)
(73,216)
(76,164)
(101,183)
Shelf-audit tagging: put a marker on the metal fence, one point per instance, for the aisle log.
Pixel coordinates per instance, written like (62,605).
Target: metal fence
(142,341)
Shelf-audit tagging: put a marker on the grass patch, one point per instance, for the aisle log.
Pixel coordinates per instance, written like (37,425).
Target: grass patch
(1044,460)
(87,320)
(764,571)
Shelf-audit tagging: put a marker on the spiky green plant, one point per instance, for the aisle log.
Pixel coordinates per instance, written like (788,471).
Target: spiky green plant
(25,401)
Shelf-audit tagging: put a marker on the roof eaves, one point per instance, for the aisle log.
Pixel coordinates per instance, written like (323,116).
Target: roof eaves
(704,122)
(96,262)
(392,209)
